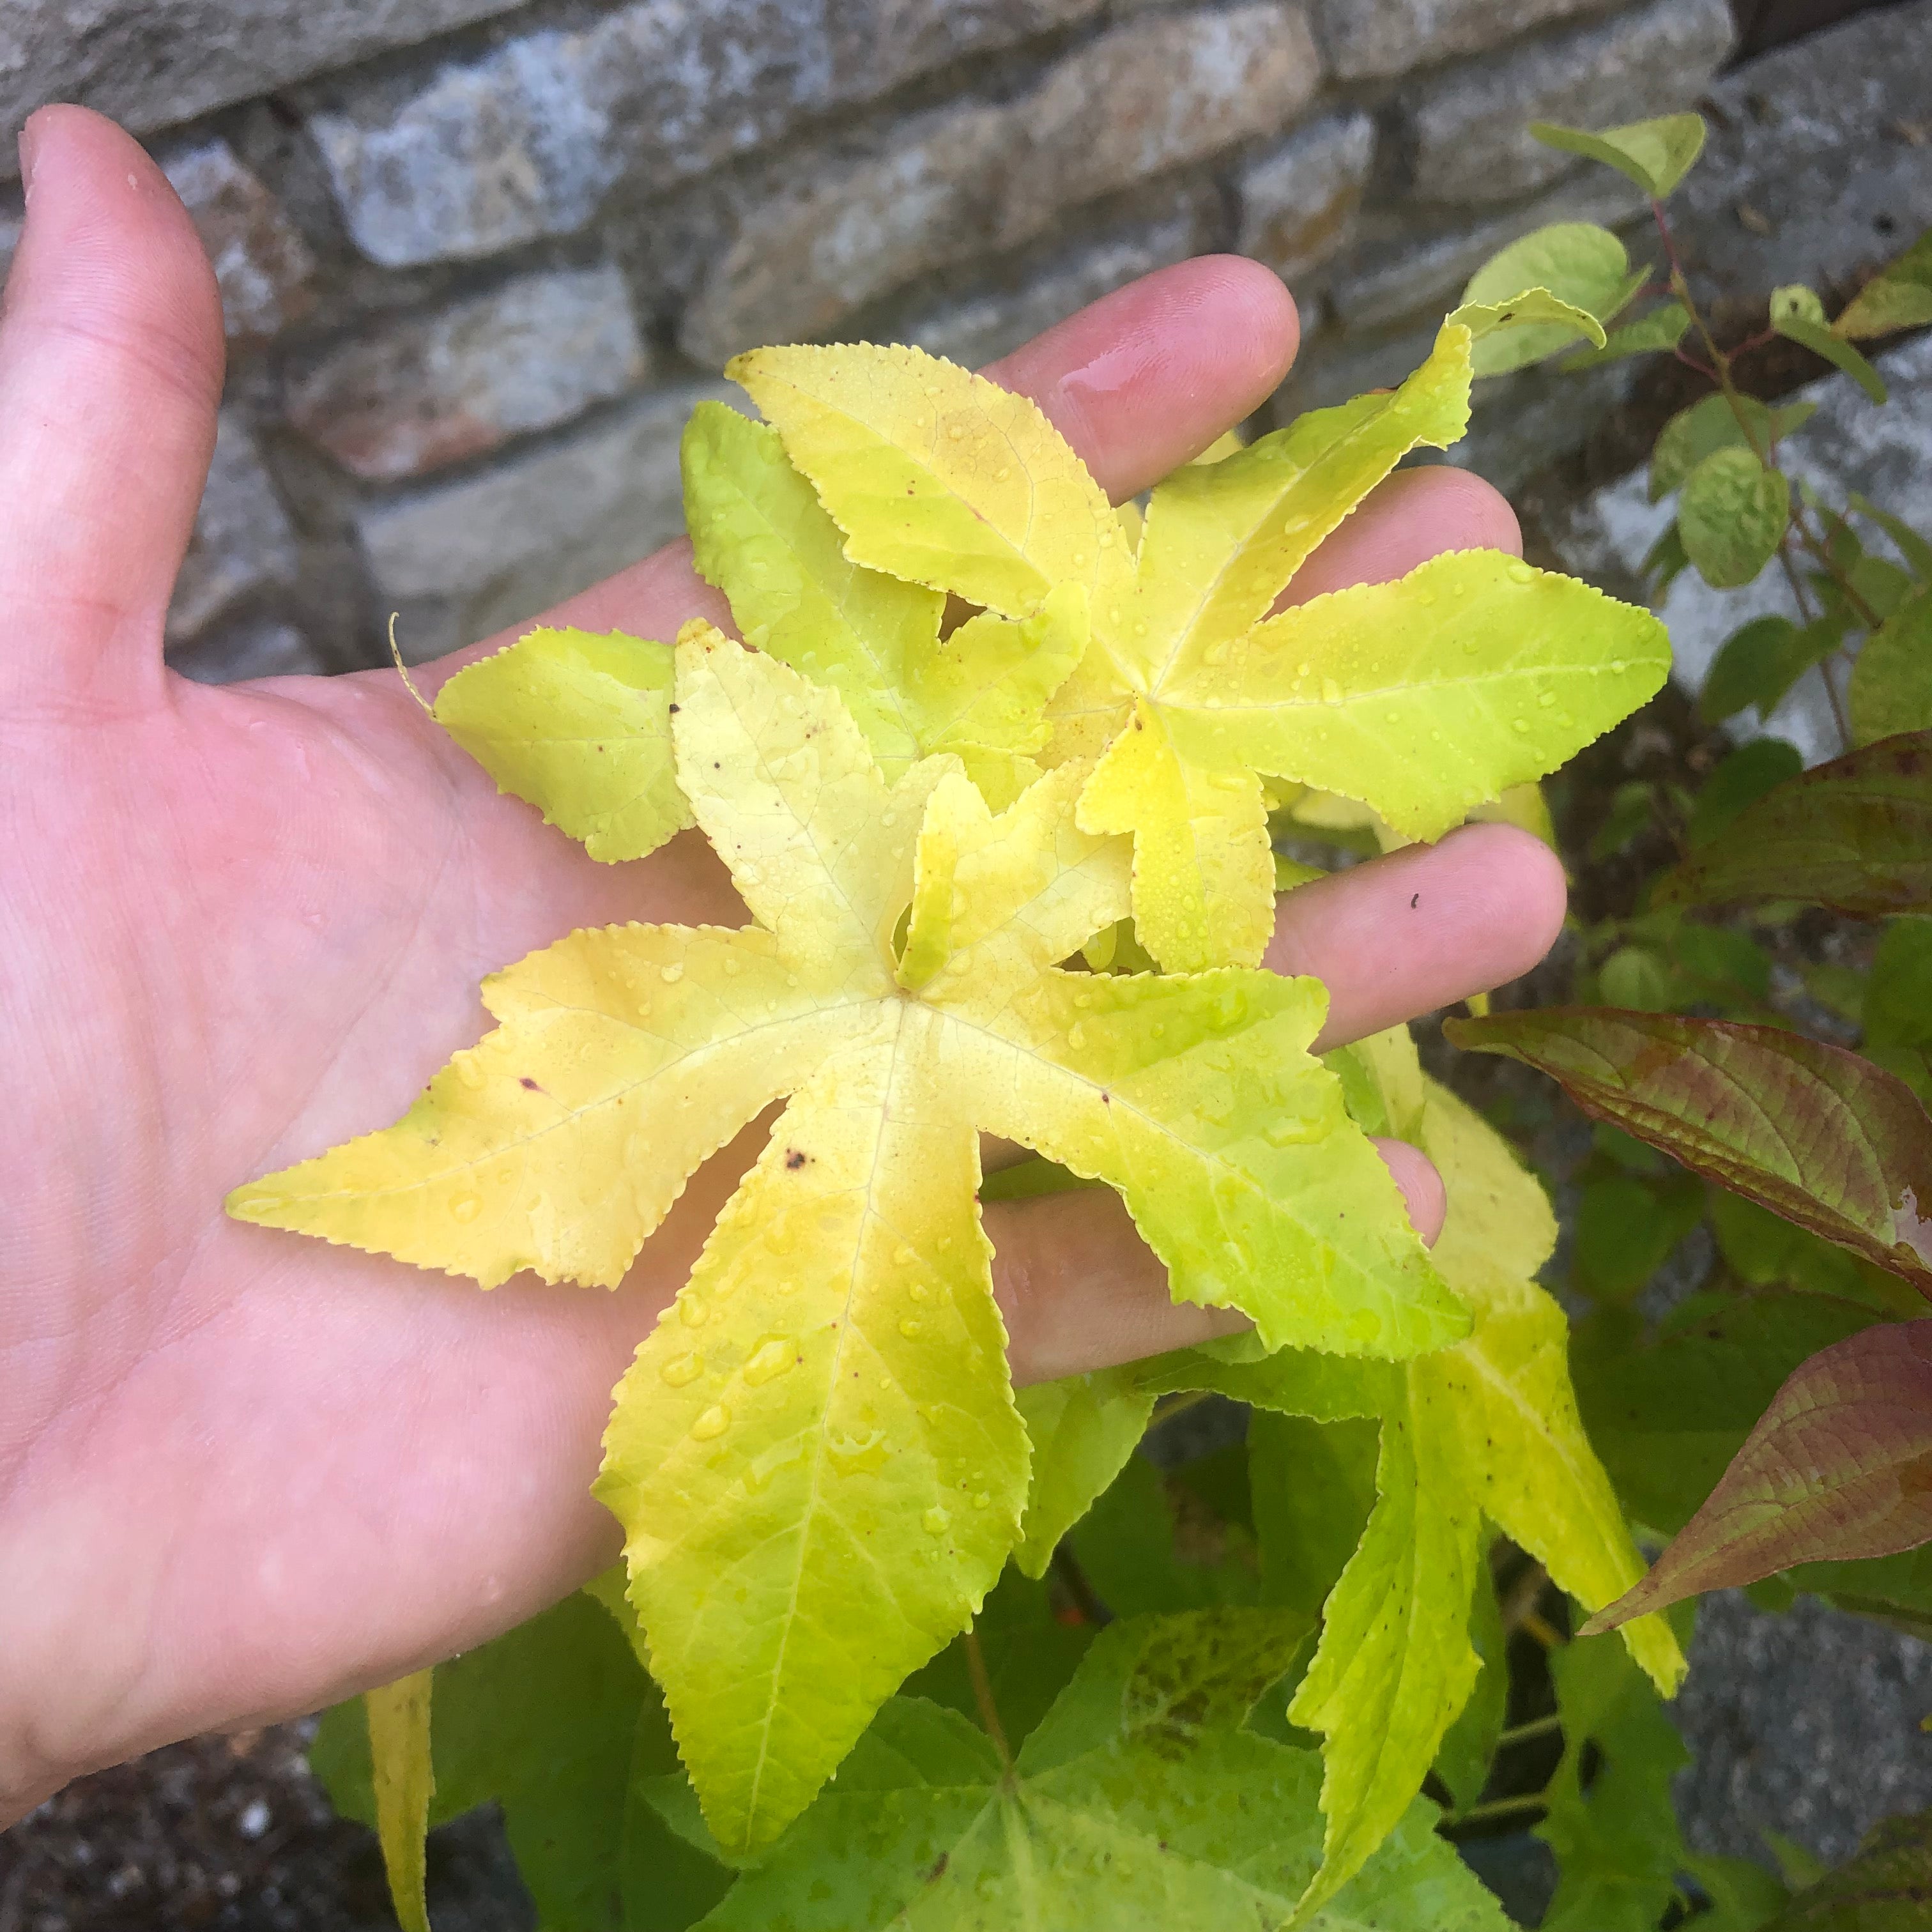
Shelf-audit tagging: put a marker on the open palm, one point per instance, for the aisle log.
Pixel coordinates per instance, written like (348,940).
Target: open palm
(241,1473)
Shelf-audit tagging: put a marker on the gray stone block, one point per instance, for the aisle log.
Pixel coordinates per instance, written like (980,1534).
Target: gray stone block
(1806,1723)
(1404,267)
(152,63)
(526,139)
(243,541)
(250,647)
(415,392)
(1372,39)
(975,329)
(1298,202)
(1464,131)
(265,270)
(820,235)
(1824,143)
(460,559)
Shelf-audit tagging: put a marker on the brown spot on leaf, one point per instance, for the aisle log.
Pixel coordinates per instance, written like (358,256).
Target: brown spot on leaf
(796,1159)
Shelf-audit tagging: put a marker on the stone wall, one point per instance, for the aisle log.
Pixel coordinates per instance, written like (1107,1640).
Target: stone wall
(479,257)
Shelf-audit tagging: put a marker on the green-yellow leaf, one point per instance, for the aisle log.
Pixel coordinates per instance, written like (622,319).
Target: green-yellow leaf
(1083,1428)
(1798,315)
(822,1422)
(1137,1801)
(1891,681)
(1488,1429)
(1732,517)
(1900,296)
(1662,327)
(760,535)
(1656,155)
(576,724)
(1718,422)
(1543,291)
(400,1760)
(873,429)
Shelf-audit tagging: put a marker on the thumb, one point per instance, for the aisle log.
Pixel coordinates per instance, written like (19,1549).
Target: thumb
(111,356)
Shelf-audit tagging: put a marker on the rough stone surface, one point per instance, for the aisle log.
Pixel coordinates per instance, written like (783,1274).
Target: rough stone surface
(527,139)
(978,329)
(1465,132)
(265,269)
(243,541)
(461,559)
(1805,1723)
(1850,444)
(424,391)
(818,242)
(1298,203)
(1827,145)
(1400,268)
(1371,39)
(152,63)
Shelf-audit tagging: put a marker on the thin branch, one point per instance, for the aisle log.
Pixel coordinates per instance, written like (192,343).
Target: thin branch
(1536,1727)
(1498,1808)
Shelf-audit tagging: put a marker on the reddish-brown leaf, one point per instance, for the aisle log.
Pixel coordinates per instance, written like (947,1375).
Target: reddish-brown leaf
(1855,835)
(1815,1133)
(1840,1466)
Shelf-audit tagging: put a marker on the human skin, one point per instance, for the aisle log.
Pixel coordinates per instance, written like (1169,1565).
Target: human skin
(243,1473)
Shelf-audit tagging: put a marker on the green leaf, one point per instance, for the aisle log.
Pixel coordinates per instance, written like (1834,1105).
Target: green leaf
(1665,561)
(1718,423)
(1514,331)
(1656,155)
(1626,1229)
(1811,1131)
(1834,1469)
(1619,1849)
(1732,517)
(1667,1415)
(1798,316)
(759,535)
(399,1751)
(1662,328)
(1740,778)
(1634,976)
(1137,1801)
(1469,1745)
(1542,291)
(1886,1887)
(1128,1547)
(1898,996)
(1082,1430)
(1313,1484)
(1855,835)
(1914,548)
(1891,680)
(578,725)
(836,1365)
(1189,695)
(1760,662)
(1900,296)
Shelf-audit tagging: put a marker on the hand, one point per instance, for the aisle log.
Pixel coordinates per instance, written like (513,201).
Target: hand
(241,1473)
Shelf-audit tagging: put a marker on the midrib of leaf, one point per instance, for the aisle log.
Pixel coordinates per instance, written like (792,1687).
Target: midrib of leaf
(1381,694)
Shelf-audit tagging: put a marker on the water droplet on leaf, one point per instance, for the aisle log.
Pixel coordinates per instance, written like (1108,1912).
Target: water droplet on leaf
(683,1369)
(712,1424)
(771,1359)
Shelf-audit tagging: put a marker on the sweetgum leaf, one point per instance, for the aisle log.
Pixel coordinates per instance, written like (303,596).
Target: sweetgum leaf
(399,1754)
(1469,1745)
(816,1454)
(1899,296)
(941,477)
(1855,835)
(576,724)
(1618,1845)
(1813,1132)
(759,535)
(1656,155)
(1839,1466)
(1137,1802)
(1487,1429)
(1128,1547)
(1732,517)
(1082,1430)
(1892,682)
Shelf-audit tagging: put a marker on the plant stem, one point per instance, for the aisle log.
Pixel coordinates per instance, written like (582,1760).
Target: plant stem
(1537,1727)
(1546,1633)
(1178,1405)
(1500,1807)
(982,1696)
